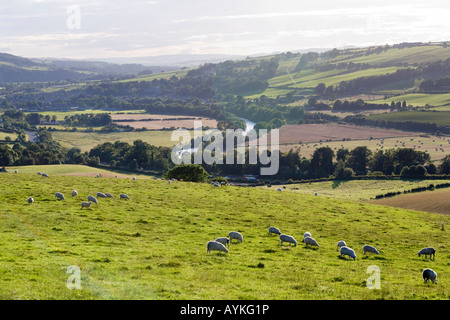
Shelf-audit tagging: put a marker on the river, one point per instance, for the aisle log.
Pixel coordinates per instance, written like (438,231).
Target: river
(249,126)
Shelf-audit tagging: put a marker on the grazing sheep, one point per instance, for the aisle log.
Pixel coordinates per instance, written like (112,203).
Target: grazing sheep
(85,204)
(109,195)
(368,248)
(223,240)
(427,252)
(101,195)
(74,193)
(30,200)
(214,245)
(279,189)
(274,230)
(44,175)
(429,274)
(310,242)
(341,244)
(134,178)
(306,234)
(124,196)
(97,176)
(235,235)
(15,171)
(287,238)
(92,199)
(59,195)
(346,251)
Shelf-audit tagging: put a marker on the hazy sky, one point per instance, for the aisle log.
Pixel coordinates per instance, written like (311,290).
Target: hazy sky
(136,28)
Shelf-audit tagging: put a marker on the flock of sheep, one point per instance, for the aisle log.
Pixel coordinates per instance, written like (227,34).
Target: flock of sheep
(221,243)
(90,199)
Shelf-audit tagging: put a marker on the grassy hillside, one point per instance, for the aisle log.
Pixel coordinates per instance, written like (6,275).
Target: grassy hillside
(154,245)
(334,67)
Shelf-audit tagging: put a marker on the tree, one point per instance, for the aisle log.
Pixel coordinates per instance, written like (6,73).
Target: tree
(444,168)
(320,89)
(188,172)
(322,162)
(7,155)
(358,159)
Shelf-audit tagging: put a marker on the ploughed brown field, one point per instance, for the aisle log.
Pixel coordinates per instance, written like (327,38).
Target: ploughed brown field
(159,121)
(315,132)
(437,201)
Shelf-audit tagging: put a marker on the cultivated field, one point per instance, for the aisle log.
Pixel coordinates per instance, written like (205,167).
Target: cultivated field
(437,201)
(153,246)
(436,146)
(159,121)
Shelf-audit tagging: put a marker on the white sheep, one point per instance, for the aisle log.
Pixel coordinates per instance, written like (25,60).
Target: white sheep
(214,245)
(44,175)
(427,252)
(306,234)
(109,195)
(134,178)
(59,195)
(101,195)
(85,204)
(429,274)
(287,238)
(279,189)
(223,240)
(235,235)
(341,243)
(310,242)
(346,251)
(92,199)
(274,230)
(74,193)
(368,248)
(124,196)
(30,200)
(98,176)
(15,171)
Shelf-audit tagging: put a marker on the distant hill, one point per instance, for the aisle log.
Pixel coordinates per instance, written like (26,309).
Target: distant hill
(18,69)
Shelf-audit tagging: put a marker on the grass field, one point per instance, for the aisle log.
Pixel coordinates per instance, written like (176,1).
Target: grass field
(74,169)
(87,140)
(440,118)
(357,190)
(154,245)
(420,100)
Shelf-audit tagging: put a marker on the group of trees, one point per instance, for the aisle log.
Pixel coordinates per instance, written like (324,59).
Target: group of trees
(324,163)
(345,163)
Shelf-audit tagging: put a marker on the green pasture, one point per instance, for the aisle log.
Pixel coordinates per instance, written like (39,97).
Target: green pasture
(153,246)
